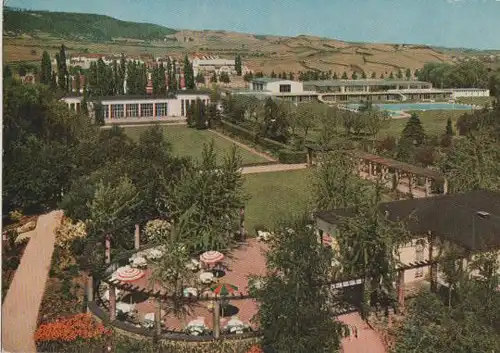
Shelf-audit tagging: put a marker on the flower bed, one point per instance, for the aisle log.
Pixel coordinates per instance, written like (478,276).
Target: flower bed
(12,253)
(72,330)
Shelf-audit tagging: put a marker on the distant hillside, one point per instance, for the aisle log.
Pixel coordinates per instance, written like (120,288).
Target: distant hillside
(78,26)
(27,33)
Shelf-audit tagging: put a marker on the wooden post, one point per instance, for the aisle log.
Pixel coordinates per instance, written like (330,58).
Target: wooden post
(395,179)
(427,187)
(401,289)
(216,323)
(433,267)
(108,249)
(308,156)
(137,237)
(445,186)
(90,288)
(112,303)
(242,224)
(370,171)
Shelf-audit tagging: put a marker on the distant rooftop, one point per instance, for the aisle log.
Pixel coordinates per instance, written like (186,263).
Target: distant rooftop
(374,82)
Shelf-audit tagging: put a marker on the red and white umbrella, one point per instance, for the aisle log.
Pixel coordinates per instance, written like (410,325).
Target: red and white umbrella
(129,274)
(327,240)
(211,257)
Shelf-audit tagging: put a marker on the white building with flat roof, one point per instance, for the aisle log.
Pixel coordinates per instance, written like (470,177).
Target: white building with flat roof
(279,88)
(469,92)
(129,109)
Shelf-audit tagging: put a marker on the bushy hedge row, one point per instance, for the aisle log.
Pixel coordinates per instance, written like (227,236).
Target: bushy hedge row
(285,154)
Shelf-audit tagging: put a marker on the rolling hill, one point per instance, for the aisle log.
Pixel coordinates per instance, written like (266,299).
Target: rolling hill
(78,26)
(26,33)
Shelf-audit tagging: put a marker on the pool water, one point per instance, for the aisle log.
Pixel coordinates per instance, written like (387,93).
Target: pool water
(393,109)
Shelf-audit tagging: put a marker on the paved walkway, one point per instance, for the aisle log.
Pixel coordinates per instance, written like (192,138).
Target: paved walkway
(368,340)
(272,168)
(159,122)
(242,145)
(20,309)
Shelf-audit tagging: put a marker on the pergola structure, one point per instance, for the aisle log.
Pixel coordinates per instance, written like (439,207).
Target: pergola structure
(372,166)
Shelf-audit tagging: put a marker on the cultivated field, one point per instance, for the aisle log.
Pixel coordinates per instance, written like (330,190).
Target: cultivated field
(188,142)
(260,53)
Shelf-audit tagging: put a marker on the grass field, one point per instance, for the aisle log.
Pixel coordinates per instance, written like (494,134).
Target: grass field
(433,121)
(188,142)
(482,101)
(277,195)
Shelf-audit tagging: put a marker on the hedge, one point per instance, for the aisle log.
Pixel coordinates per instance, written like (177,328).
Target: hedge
(238,130)
(287,156)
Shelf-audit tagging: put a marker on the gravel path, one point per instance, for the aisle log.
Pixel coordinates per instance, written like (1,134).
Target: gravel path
(20,309)
(272,168)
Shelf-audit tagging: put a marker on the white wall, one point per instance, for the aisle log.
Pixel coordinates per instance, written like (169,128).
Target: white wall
(296,87)
(470,93)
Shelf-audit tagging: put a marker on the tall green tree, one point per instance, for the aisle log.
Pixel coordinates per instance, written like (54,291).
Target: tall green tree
(162,84)
(46,69)
(408,74)
(473,163)
(449,128)
(344,76)
(200,78)
(374,75)
(122,74)
(296,312)
(209,195)
(273,74)
(213,78)
(414,131)
(237,65)
(188,73)
(116,78)
(62,69)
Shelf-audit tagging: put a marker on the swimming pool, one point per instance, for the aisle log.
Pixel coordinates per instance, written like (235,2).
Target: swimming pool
(396,108)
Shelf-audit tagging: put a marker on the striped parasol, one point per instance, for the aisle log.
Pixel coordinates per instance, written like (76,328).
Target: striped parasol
(129,274)
(224,289)
(211,257)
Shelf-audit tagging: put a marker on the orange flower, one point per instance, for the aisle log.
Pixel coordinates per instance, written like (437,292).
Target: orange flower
(80,326)
(255,349)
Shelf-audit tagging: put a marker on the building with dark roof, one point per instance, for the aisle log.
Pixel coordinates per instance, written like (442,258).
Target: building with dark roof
(468,220)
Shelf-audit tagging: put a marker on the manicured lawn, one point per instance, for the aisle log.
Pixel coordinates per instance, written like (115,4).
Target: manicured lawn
(276,195)
(482,101)
(434,122)
(188,142)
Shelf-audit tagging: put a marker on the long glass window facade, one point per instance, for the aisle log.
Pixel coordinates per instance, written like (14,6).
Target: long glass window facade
(161,109)
(132,110)
(147,109)
(117,111)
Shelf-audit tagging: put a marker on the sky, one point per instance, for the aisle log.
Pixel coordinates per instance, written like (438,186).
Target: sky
(451,23)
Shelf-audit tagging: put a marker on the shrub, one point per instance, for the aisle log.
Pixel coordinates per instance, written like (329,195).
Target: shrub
(15,215)
(239,131)
(156,230)
(291,157)
(271,144)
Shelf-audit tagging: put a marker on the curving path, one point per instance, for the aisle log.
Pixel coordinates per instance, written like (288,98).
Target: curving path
(272,168)
(367,340)
(20,309)
(244,146)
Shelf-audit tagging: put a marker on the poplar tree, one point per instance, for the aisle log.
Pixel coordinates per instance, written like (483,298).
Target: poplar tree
(237,65)
(62,72)
(161,79)
(123,73)
(46,69)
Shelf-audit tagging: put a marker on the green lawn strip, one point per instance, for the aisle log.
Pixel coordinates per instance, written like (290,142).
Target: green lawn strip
(482,101)
(276,195)
(281,195)
(433,121)
(187,142)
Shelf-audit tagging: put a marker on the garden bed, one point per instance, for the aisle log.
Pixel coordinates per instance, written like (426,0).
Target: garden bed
(12,253)
(64,292)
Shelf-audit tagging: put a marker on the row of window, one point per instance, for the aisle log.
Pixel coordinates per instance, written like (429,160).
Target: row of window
(135,110)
